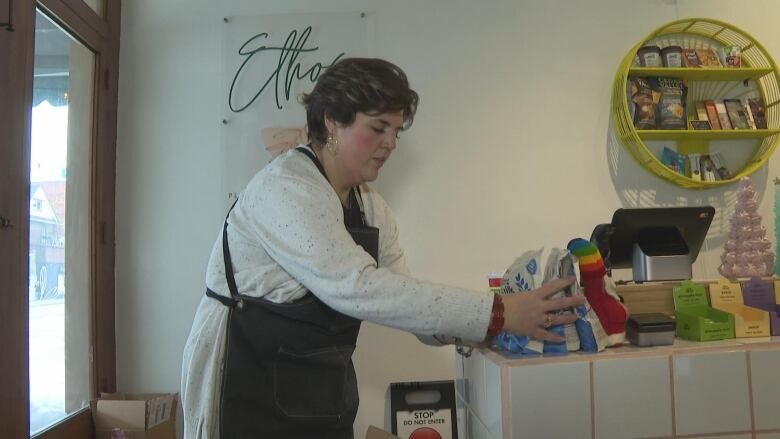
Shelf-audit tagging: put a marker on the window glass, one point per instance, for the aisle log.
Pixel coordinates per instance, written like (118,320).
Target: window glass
(60,217)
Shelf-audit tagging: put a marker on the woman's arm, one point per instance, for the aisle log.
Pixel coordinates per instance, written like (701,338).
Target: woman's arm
(298,220)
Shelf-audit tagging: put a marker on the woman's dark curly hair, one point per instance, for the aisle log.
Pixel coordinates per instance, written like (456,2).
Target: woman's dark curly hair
(351,85)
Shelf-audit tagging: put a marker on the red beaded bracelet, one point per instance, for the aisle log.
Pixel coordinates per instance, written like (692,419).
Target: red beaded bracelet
(496,317)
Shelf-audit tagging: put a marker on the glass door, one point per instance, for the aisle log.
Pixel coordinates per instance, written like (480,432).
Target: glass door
(59,225)
(58,100)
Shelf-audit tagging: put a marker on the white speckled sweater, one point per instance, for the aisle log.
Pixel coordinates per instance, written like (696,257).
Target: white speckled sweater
(287,236)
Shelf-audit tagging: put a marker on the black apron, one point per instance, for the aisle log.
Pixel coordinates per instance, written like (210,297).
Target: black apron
(288,369)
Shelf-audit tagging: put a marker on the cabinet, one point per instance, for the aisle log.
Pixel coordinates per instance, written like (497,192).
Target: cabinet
(728,388)
(745,150)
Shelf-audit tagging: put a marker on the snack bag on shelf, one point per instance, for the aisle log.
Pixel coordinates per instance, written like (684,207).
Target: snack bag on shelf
(674,160)
(708,58)
(642,97)
(731,56)
(672,104)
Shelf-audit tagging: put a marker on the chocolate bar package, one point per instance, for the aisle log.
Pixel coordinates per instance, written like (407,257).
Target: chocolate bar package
(672,103)
(758,112)
(690,59)
(642,97)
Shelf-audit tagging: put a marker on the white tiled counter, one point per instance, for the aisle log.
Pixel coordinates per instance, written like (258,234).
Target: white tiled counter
(724,389)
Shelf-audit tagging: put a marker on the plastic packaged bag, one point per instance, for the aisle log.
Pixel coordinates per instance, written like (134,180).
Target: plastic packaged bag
(560,265)
(523,275)
(591,333)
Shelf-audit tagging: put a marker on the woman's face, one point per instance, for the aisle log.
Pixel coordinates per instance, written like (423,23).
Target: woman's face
(365,145)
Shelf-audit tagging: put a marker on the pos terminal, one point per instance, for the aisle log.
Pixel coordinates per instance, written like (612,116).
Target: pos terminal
(656,243)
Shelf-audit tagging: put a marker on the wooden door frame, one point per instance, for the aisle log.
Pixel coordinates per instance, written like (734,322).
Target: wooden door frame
(101,35)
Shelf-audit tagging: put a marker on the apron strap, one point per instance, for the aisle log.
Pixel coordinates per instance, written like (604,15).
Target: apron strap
(231,301)
(353,215)
(231,279)
(314,159)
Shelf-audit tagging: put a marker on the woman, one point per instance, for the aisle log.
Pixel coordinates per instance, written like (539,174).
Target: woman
(310,252)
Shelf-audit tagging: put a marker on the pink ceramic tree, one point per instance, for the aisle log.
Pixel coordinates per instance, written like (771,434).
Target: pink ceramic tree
(746,252)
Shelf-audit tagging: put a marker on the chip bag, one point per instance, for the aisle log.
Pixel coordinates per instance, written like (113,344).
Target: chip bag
(523,275)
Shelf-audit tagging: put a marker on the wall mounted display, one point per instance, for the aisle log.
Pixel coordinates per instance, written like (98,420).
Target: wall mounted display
(685,76)
(267,62)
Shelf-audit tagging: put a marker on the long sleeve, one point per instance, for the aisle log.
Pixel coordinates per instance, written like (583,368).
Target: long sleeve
(391,254)
(293,215)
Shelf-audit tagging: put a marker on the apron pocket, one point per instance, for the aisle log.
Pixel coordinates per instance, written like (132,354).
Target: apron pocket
(315,385)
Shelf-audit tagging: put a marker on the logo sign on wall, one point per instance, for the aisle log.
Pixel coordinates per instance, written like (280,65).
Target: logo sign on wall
(285,67)
(268,61)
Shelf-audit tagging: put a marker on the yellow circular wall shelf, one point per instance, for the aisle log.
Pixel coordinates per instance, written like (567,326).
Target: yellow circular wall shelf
(758,71)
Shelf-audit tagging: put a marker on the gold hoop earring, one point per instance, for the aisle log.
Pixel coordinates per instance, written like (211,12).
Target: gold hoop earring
(332,145)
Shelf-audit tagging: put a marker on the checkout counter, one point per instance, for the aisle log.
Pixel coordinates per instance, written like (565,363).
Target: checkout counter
(720,389)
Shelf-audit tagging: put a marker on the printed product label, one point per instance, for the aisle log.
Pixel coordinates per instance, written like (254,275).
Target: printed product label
(689,294)
(759,292)
(674,60)
(725,293)
(718,331)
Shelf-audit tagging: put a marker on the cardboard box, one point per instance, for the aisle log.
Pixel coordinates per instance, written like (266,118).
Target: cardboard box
(648,297)
(764,295)
(748,321)
(422,410)
(696,320)
(375,433)
(139,416)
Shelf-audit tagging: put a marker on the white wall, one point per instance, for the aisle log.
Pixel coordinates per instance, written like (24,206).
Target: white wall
(509,152)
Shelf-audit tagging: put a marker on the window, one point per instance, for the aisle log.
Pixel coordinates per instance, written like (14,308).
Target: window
(60,303)
(58,85)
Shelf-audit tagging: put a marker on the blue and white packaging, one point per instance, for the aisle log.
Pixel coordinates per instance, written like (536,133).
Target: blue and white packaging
(592,336)
(560,264)
(523,275)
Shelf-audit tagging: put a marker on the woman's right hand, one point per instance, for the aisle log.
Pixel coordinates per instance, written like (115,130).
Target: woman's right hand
(531,313)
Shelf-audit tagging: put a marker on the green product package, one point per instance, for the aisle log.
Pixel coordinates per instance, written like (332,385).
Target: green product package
(696,320)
